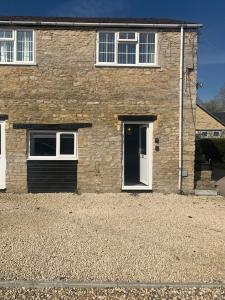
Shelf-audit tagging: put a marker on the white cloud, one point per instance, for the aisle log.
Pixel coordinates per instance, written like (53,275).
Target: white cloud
(91,8)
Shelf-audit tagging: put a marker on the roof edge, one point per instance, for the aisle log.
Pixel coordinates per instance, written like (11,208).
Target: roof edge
(211,115)
(100,24)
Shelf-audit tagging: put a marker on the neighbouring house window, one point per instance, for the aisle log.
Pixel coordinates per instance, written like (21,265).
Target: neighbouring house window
(16,46)
(204,133)
(126,48)
(53,145)
(217,133)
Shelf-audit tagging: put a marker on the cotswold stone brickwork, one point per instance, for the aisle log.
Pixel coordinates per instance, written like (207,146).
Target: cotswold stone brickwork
(65,86)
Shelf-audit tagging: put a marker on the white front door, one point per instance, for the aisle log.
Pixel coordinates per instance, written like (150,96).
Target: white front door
(144,153)
(2,155)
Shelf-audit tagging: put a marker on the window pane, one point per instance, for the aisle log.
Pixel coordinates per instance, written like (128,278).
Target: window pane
(106,47)
(143,140)
(6,51)
(25,46)
(67,144)
(147,47)
(127,35)
(5,34)
(43,144)
(216,133)
(126,53)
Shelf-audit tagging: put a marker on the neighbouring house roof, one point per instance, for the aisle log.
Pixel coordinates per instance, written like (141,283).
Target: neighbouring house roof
(83,21)
(219,117)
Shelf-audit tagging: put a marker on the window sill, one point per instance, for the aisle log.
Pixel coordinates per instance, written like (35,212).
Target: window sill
(52,158)
(127,66)
(18,64)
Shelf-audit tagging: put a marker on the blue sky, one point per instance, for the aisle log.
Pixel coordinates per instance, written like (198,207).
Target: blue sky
(211,70)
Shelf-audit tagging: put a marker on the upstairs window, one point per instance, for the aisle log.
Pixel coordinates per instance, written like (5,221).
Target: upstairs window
(16,46)
(126,48)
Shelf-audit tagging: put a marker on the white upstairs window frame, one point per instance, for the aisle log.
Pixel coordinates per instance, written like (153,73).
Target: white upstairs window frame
(128,40)
(135,39)
(14,40)
(58,156)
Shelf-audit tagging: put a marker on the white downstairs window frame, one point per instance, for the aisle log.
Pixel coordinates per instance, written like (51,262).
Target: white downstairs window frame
(58,156)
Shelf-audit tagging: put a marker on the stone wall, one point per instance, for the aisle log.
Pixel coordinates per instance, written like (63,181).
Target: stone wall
(65,86)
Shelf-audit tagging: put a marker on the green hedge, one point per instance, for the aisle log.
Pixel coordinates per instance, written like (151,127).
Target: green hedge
(212,148)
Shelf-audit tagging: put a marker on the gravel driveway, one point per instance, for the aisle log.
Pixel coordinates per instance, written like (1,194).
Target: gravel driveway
(113,294)
(112,237)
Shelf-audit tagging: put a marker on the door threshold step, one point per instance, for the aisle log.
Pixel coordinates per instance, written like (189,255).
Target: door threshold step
(206,193)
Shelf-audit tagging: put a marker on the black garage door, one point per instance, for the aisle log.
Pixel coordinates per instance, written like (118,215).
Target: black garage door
(51,176)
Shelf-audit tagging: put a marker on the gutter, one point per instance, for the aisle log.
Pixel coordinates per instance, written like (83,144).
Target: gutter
(83,24)
(181,95)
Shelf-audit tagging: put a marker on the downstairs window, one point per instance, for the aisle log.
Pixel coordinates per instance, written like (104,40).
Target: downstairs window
(52,145)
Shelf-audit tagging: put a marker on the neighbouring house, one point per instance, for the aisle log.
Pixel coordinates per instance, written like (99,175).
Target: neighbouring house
(209,125)
(97,104)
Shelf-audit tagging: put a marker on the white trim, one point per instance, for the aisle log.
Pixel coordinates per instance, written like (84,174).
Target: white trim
(135,41)
(150,145)
(127,65)
(14,40)
(51,158)
(17,64)
(3,156)
(181,96)
(156,49)
(144,155)
(128,40)
(116,51)
(58,156)
(136,188)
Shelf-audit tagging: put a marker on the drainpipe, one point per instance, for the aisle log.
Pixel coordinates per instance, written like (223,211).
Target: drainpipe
(181,83)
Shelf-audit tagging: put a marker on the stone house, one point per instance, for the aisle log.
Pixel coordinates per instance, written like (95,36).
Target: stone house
(209,125)
(97,105)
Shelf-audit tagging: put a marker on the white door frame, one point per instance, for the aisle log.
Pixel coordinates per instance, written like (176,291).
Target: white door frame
(2,157)
(150,147)
(144,168)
